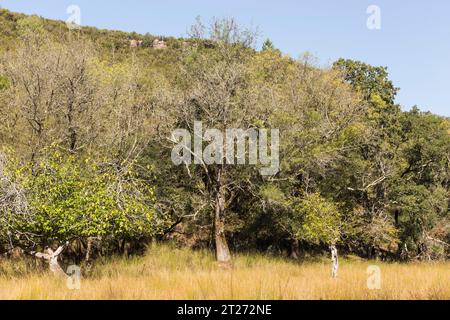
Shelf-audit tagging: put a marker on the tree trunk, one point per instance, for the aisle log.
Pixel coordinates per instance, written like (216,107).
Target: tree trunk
(55,267)
(369,252)
(295,249)
(88,256)
(88,250)
(334,261)
(222,250)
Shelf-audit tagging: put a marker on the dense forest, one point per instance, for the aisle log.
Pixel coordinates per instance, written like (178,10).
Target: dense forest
(85,148)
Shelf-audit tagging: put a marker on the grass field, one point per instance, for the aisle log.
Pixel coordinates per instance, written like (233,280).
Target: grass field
(168,273)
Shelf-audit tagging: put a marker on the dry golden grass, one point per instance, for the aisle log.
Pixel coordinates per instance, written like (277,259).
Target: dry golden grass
(168,273)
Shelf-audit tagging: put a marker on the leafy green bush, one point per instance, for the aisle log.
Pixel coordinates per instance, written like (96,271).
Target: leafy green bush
(315,219)
(72,198)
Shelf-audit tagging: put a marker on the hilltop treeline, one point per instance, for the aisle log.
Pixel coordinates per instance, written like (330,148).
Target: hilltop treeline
(85,148)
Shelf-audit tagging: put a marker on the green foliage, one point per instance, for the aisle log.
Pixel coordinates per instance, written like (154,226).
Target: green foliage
(73,198)
(314,220)
(355,169)
(30,25)
(4,83)
(268,45)
(83,200)
(369,80)
(422,210)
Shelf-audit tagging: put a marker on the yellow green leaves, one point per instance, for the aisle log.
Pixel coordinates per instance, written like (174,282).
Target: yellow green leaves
(30,25)
(315,219)
(71,199)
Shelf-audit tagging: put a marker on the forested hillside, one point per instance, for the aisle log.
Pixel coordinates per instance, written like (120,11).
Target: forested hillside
(85,148)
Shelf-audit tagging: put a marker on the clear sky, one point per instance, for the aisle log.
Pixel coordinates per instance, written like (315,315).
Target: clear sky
(413,42)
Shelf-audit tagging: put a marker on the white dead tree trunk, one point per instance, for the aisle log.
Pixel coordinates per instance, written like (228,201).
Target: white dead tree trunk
(334,261)
(52,258)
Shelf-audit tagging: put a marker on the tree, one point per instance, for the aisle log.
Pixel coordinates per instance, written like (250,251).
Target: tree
(51,96)
(390,158)
(268,45)
(78,128)
(214,89)
(371,81)
(88,130)
(14,213)
(317,115)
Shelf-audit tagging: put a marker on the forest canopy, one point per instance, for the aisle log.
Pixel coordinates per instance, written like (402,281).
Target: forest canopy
(85,149)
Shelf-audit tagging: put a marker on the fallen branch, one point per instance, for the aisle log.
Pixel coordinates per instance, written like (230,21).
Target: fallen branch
(52,258)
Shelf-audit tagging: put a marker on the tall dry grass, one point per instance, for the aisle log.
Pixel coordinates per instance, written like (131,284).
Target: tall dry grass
(169,273)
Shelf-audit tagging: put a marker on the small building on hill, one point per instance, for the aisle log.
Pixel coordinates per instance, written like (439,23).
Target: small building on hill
(135,43)
(159,44)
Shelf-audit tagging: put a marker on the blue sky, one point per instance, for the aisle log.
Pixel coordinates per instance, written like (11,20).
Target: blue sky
(413,42)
